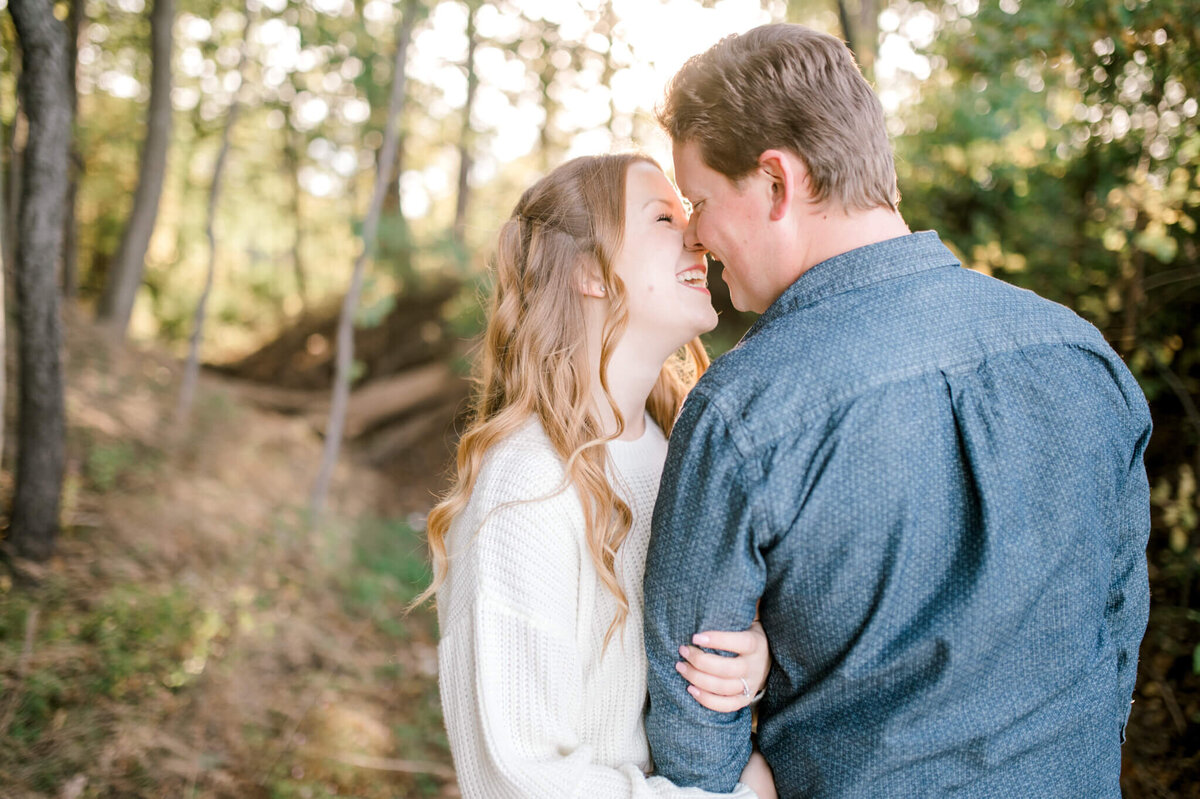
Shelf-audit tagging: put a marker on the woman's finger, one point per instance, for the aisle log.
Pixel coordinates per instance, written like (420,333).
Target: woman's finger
(716,665)
(721,704)
(740,643)
(721,686)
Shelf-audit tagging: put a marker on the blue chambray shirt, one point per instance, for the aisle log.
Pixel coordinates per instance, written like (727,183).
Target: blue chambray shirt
(934,482)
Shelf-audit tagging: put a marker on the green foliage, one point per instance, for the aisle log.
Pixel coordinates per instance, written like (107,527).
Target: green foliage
(1178,505)
(118,464)
(40,696)
(390,568)
(130,644)
(143,640)
(372,315)
(300,789)
(107,463)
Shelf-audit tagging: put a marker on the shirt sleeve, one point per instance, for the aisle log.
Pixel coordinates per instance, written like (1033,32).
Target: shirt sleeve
(1128,608)
(703,572)
(511,674)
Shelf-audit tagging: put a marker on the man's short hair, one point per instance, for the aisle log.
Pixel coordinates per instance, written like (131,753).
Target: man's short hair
(785,86)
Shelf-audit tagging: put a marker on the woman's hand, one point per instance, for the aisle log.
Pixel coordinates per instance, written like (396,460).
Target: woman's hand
(722,683)
(758,777)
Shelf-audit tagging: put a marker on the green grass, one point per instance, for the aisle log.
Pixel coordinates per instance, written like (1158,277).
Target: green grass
(388,570)
(119,464)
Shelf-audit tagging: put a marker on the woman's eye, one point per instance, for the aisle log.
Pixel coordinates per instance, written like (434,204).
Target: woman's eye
(666,218)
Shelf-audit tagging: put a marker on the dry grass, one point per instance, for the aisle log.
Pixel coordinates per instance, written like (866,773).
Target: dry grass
(195,636)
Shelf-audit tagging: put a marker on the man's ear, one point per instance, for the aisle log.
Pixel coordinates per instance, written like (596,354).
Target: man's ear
(787,179)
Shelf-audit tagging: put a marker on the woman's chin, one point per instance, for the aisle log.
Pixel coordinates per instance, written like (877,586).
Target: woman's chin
(705,325)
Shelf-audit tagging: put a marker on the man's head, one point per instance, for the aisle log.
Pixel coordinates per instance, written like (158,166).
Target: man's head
(786,87)
(777,120)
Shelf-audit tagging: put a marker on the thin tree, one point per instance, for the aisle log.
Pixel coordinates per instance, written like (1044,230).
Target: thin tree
(293,140)
(466,136)
(42,424)
(345,334)
(191,371)
(76,25)
(861,32)
(125,275)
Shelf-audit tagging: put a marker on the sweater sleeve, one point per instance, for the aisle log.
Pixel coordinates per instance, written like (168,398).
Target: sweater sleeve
(510,670)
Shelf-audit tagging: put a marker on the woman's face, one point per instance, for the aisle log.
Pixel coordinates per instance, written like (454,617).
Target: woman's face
(666,285)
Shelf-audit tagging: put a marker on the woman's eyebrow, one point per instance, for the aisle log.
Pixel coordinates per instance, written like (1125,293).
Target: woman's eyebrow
(653,200)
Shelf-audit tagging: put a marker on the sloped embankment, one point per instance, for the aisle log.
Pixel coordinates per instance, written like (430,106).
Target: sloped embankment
(195,635)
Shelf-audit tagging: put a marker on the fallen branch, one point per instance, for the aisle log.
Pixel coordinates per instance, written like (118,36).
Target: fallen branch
(388,764)
(384,446)
(385,399)
(369,407)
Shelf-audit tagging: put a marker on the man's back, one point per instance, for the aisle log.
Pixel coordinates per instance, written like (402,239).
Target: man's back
(934,482)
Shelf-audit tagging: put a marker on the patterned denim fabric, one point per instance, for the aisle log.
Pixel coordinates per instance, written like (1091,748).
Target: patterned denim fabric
(934,482)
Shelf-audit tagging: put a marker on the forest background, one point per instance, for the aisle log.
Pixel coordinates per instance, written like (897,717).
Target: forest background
(182,612)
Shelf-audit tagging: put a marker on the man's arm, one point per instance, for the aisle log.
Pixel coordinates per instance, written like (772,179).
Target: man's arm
(1128,606)
(703,572)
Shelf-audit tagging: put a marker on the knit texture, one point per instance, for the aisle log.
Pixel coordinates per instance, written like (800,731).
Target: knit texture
(533,703)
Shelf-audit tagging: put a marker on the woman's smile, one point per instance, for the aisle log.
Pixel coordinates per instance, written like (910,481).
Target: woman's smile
(694,277)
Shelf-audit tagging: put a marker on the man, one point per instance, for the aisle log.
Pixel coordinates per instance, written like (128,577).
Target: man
(928,481)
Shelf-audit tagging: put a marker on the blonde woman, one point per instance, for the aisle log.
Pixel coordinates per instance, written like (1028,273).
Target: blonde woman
(540,545)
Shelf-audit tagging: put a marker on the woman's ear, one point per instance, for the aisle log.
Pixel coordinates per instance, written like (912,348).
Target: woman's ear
(592,287)
(588,279)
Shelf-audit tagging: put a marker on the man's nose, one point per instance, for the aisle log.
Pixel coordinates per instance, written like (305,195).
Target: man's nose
(691,237)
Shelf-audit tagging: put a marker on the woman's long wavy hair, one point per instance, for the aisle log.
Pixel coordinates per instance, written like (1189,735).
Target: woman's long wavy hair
(566,229)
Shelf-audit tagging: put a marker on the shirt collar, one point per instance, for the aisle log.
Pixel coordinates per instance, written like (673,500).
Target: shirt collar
(860,267)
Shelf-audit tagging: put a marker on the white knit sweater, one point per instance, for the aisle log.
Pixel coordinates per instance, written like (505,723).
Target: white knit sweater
(534,706)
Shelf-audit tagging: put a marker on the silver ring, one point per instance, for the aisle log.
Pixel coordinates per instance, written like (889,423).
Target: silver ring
(745,687)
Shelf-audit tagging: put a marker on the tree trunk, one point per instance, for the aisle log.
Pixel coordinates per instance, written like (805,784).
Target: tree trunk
(861,32)
(16,157)
(191,370)
(345,334)
(401,258)
(41,431)
(125,275)
(4,265)
(76,23)
(466,137)
(868,36)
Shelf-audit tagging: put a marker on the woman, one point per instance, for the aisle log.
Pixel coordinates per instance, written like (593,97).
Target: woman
(539,547)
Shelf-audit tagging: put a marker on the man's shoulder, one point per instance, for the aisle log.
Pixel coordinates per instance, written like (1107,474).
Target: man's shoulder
(808,360)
